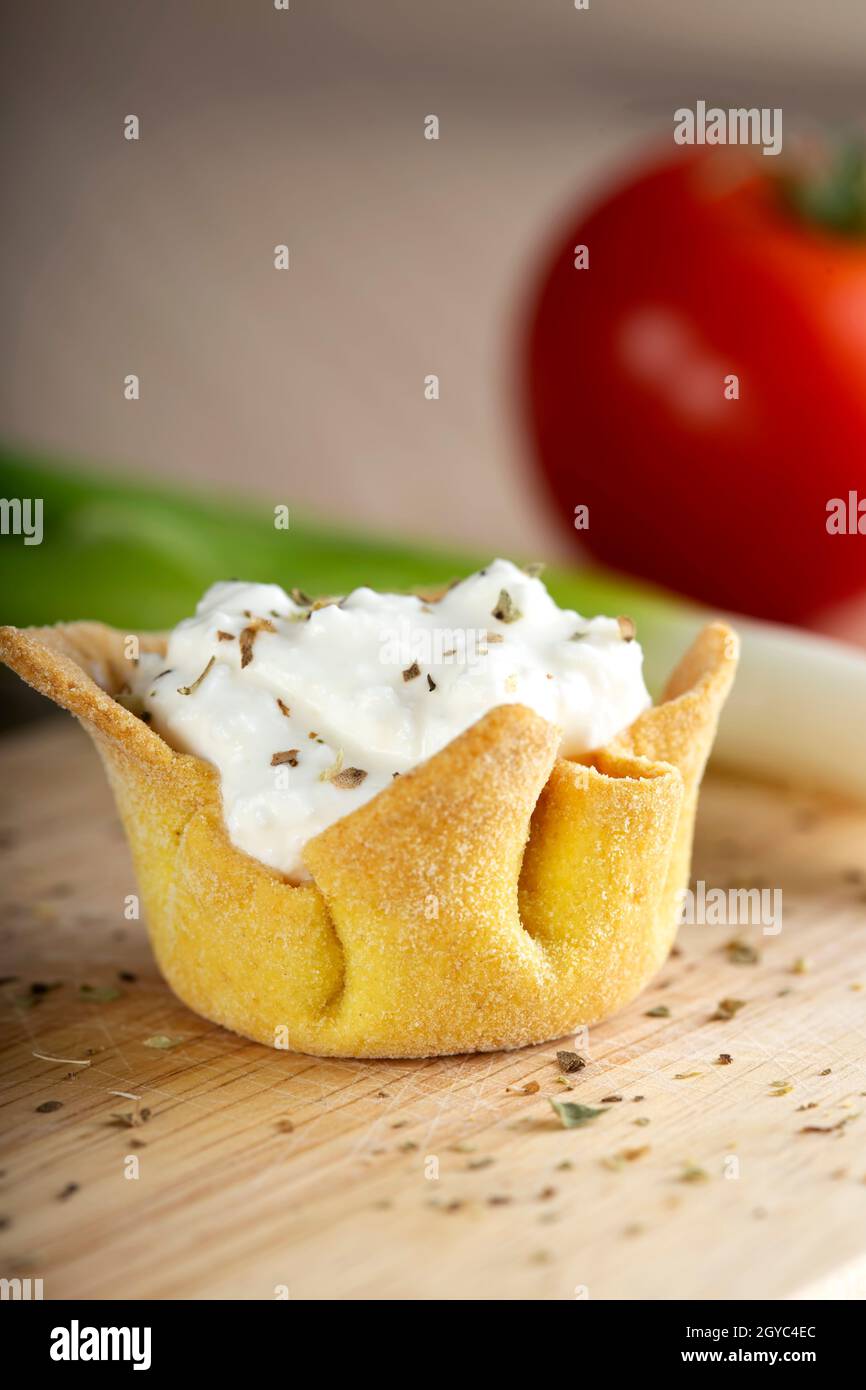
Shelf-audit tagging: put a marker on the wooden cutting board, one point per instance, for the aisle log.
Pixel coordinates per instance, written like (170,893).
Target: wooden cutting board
(264,1174)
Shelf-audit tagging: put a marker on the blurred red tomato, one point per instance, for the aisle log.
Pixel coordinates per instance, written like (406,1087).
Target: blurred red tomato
(698,273)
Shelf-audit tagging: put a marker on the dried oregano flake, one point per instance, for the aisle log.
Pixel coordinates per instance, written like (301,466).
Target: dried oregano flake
(289,755)
(249,634)
(570,1061)
(188,689)
(349,777)
(506,609)
(574,1116)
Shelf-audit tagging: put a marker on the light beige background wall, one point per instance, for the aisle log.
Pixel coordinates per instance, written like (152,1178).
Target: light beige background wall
(408,256)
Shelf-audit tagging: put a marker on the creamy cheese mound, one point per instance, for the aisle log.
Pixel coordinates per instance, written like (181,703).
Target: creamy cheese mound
(309,711)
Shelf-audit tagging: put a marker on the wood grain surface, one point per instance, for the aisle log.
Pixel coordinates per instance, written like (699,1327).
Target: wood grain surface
(263,1174)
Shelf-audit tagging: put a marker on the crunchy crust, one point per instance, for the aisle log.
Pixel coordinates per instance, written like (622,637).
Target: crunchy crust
(495,896)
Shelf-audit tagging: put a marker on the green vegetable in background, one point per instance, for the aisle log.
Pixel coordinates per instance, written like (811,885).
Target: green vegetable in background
(140,556)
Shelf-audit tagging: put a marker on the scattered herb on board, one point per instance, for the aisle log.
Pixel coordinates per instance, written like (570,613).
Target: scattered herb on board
(162,1042)
(431,684)
(529,1088)
(825,1072)
(35,994)
(627,629)
(349,777)
(724,1059)
(828,1129)
(781,1088)
(130,1119)
(631,1155)
(506,609)
(570,1062)
(727,1008)
(412,672)
(574,1116)
(68,1191)
(493,637)
(127,977)
(283,708)
(740,952)
(692,1173)
(658,1011)
(288,755)
(99,994)
(686,1075)
(610,1100)
(188,689)
(48,1107)
(66,1061)
(801,966)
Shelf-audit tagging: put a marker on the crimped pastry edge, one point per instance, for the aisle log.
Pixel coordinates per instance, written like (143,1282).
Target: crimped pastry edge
(501,833)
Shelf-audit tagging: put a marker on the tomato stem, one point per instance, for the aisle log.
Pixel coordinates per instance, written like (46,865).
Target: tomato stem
(833,197)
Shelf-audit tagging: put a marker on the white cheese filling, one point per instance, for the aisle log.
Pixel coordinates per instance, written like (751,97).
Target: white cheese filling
(309,712)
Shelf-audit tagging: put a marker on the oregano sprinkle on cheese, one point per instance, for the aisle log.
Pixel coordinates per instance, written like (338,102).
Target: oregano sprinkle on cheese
(330,773)
(290,756)
(188,689)
(248,637)
(349,777)
(506,609)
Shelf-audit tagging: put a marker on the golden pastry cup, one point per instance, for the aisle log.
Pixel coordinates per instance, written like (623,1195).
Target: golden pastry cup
(495,896)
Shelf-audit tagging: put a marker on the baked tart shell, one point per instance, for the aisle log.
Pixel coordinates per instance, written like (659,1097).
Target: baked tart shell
(495,896)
